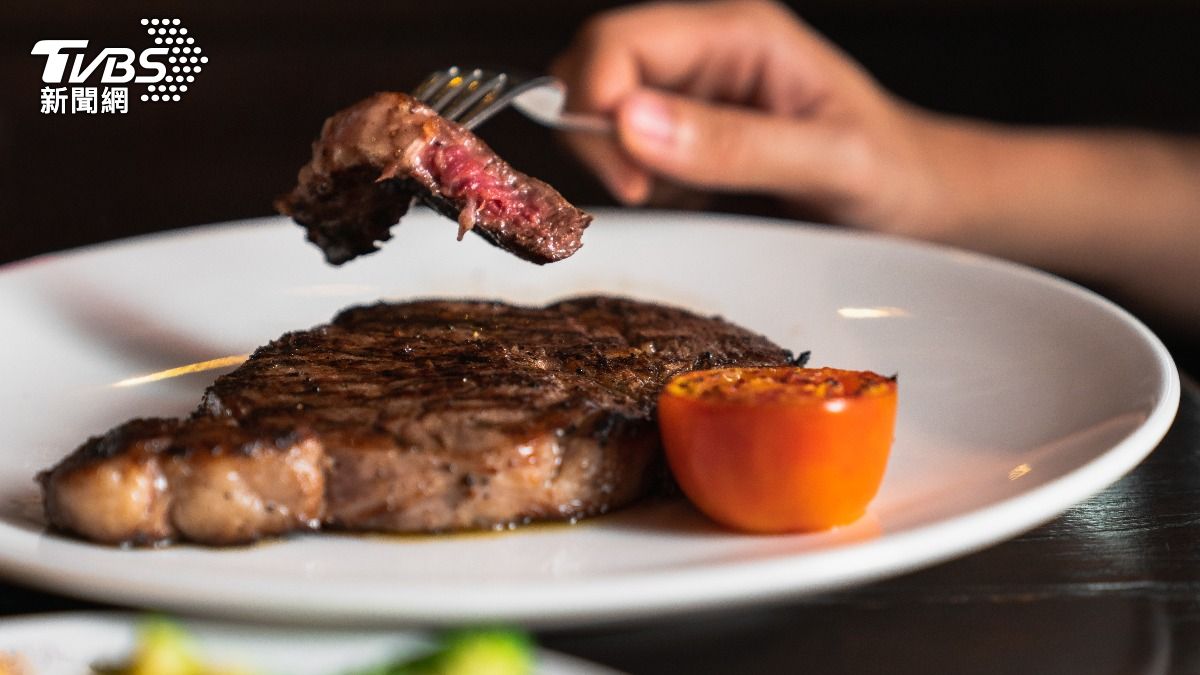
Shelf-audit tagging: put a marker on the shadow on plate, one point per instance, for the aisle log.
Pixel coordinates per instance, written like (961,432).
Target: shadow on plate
(22,507)
(125,330)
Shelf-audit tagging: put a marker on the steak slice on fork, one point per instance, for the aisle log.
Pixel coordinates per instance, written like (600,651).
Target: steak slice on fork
(374,157)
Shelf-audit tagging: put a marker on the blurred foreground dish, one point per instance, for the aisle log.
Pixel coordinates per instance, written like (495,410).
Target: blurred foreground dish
(165,648)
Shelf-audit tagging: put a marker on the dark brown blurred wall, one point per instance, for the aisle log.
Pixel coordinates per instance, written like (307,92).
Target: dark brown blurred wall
(278,68)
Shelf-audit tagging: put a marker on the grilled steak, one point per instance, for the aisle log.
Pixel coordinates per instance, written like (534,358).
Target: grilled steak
(374,157)
(426,416)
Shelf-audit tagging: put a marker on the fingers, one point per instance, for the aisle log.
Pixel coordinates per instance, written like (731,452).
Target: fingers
(739,95)
(624,179)
(628,182)
(746,51)
(718,146)
(712,50)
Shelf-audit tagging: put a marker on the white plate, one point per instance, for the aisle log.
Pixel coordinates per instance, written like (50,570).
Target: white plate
(1020,395)
(68,644)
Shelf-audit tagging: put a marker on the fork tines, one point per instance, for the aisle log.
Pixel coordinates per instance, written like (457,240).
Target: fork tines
(460,96)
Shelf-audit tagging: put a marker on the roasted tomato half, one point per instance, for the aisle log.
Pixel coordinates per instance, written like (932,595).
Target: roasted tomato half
(779,449)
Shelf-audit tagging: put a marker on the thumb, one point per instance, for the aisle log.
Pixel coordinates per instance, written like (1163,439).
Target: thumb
(724,147)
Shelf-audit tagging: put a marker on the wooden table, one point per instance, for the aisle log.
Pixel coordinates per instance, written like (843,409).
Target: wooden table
(1110,586)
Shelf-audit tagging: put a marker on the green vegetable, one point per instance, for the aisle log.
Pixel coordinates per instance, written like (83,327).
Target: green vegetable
(165,648)
(474,652)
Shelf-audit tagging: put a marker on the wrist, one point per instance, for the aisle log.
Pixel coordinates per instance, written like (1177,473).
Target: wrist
(948,180)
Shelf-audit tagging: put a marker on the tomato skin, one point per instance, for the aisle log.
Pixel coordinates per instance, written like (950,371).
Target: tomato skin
(766,463)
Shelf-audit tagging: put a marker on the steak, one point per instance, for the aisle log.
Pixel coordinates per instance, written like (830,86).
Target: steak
(374,157)
(421,416)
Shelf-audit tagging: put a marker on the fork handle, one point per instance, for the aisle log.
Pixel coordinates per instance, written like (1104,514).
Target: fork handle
(584,122)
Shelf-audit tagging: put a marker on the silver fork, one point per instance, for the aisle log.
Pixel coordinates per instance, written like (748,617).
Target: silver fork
(470,97)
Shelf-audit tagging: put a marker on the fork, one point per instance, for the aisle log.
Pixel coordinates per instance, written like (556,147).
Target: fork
(471,97)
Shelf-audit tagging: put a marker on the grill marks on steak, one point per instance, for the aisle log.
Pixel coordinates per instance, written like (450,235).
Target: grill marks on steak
(374,157)
(427,416)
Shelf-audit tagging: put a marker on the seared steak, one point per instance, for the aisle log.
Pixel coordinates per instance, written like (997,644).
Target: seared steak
(428,416)
(374,157)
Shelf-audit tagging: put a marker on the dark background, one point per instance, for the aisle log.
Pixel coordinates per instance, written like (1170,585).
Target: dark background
(277,69)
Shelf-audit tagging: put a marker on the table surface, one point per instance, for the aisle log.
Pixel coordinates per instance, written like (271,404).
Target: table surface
(1110,586)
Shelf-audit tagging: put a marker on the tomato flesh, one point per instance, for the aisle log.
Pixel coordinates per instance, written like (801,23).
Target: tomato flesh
(779,449)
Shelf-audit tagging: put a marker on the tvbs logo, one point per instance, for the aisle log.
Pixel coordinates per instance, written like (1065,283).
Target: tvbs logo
(118,63)
(166,70)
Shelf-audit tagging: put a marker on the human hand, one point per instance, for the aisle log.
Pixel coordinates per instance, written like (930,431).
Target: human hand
(741,96)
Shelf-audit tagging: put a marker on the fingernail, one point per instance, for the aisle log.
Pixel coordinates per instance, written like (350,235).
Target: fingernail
(636,189)
(627,187)
(650,119)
